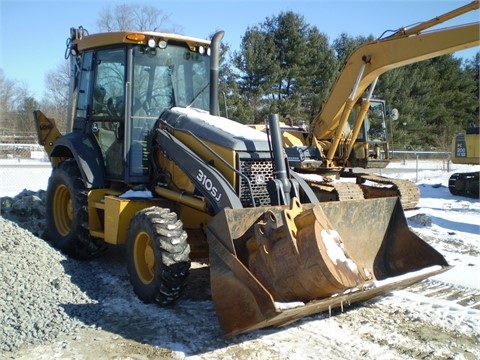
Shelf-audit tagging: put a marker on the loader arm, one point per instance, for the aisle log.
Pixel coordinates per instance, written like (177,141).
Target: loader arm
(368,62)
(211,184)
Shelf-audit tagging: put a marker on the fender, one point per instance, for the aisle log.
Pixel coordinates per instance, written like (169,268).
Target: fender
(87,153)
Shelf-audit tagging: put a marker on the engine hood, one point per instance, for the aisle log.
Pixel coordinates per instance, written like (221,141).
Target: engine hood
(216,129)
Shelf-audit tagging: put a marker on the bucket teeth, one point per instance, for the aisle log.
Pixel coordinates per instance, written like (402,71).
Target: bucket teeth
(300,257)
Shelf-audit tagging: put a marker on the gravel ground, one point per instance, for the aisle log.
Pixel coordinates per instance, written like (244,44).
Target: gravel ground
(49,298)
(33,290)
(38,299)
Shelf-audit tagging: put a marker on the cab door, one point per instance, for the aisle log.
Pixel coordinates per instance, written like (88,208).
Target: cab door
(107,116)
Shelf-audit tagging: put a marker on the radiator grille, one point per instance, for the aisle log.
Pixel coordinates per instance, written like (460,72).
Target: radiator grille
(259,171)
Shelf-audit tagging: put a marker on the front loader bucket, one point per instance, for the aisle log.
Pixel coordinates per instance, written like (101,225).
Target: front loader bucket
(272,266)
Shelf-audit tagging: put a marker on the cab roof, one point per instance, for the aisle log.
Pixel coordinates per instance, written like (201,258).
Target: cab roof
(135,37)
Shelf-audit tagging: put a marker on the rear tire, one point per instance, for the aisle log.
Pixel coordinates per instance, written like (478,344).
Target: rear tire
(157,255)
(66,213)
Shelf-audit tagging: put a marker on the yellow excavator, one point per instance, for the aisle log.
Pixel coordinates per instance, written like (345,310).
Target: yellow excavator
(147,163)
(466,150)
(343,135)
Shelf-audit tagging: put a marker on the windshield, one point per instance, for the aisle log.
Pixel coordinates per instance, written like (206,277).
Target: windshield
(373,128)
(375,122)
(161,79)
(174,76)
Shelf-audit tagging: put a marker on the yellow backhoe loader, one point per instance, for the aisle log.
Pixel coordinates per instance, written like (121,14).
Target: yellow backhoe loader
(466,150)
(148,163)
(343,136)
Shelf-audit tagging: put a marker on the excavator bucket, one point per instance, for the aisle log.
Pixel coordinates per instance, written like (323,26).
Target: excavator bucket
(272,266)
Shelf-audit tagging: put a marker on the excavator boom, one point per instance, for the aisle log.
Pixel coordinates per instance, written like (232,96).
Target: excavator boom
(405,31)
(349,132)
(374,59)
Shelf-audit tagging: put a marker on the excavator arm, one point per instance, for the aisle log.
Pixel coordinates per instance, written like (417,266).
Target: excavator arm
(368,62)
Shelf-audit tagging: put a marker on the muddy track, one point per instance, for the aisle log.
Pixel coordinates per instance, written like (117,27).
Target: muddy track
(466,297)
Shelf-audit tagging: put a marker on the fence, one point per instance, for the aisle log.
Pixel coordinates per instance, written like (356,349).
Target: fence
(17,137)
(22,151)
(424,160)
(26,166)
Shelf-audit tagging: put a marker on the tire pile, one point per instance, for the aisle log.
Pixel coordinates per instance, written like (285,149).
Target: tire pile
(38,300)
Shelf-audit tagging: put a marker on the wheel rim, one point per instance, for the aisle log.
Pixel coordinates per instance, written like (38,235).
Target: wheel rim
(63,210)
(144,257)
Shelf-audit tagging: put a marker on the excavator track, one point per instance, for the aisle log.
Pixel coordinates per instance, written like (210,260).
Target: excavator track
(464,184)
(335,191)
(408,191)
(346,190)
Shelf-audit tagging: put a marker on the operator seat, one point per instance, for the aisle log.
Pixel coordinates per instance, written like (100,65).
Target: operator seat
(99,99)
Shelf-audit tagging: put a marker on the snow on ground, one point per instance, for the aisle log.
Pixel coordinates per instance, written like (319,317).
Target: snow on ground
(400,325)
(452,223)
(19,174)
(453,220)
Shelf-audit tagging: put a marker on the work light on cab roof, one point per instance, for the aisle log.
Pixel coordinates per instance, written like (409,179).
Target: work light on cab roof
(152,42)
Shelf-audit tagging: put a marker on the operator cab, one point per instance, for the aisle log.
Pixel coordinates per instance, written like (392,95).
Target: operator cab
(123,89)
(371,145)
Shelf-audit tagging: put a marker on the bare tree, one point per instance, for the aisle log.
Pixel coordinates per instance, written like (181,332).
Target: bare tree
(6,93)
(25,124)
(12,93)
(55,102)
(126,17)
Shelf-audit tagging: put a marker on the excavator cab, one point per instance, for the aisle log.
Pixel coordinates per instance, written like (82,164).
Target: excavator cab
(364,141)
(371,147)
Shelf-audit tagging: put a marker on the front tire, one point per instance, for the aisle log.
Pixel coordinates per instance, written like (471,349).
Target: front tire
(157,255)
(66,213)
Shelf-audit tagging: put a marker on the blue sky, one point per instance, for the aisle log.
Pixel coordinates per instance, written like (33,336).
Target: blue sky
(33,32)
